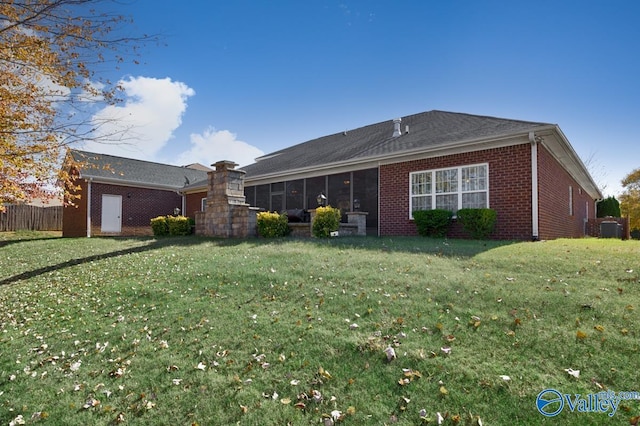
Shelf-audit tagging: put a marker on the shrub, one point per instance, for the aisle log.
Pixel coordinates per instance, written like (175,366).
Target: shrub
(432,223)
(608,207)
(272,225)
(179,225)
(479,223)
(635,234)
(159,226)
(326,221)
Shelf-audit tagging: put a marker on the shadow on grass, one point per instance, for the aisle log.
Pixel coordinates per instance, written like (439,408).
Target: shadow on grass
(415,245)
(152,245)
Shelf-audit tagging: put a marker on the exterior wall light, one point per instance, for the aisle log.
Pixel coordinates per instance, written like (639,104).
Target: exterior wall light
(321,199)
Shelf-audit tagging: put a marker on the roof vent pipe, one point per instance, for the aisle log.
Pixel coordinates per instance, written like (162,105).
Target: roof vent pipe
(406,129)
(396,127)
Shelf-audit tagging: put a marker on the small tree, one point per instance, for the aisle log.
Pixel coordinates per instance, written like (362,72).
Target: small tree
(608,207)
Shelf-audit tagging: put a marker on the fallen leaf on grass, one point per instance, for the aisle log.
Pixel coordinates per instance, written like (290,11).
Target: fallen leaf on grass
(581,335)
(201,366)
(599,328)
(391,353)
(505,378)
(324,373)
(91,402)
(572,372)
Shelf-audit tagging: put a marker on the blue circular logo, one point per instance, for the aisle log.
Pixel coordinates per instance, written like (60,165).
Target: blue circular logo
(550,402)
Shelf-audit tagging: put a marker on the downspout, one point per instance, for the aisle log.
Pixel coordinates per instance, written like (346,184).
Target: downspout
(89,207)
(534,187)
(378,206)
(183,203)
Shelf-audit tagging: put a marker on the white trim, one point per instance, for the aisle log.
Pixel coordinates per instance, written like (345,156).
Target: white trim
(458,192)
(88,200)
(534,186)
(203,204)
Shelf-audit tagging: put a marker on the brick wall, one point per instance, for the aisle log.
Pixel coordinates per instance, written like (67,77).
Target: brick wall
(193,203)
(139,206)
(74,218)
(509,190)
(509,194)
(555,218)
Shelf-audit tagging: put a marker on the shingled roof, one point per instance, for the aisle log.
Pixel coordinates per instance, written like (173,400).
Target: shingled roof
(109,168)
(427,131)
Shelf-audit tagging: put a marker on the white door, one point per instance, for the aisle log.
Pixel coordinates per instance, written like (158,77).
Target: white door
(111,213)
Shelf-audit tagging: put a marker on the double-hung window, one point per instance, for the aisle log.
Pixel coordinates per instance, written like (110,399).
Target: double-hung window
(449,189)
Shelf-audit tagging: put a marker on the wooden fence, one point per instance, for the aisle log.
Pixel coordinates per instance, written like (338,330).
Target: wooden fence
(33,218)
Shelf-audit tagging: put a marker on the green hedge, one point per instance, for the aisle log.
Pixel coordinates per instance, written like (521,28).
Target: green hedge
(432,223)
(159,226)
(479,223)
(326,221)
(272,225)
(171,225)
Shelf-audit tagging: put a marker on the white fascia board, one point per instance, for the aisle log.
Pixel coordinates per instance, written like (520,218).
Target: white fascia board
(560,148)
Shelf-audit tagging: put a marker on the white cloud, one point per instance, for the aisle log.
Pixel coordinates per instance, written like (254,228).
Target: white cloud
(215,145)
(145,122)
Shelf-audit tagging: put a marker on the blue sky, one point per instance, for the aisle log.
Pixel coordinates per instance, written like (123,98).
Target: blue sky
(236,79)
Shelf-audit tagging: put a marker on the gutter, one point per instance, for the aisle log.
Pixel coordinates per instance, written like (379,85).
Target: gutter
(534,186)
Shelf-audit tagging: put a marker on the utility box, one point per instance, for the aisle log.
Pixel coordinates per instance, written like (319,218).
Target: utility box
(610,229)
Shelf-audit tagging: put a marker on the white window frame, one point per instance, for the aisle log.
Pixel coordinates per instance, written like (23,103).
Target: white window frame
(458,191)
(203,204)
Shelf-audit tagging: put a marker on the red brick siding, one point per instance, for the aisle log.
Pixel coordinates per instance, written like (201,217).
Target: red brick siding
(553,195)
(74,218)
(194,203)
(139,206)
(509,190)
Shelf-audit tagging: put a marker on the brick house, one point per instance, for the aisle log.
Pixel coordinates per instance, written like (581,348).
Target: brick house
(120,196)
(526,171)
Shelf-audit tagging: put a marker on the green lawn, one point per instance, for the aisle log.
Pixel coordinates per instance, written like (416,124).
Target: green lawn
(186,331)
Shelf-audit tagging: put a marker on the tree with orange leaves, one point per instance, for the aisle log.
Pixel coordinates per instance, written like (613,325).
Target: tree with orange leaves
(50,53)
(630,198)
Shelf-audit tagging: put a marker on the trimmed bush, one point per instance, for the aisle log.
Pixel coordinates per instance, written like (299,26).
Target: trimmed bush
(479,223)
(326,221)
(635,234)
(159,226)
(432,223)
(272,225)
(179,225)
